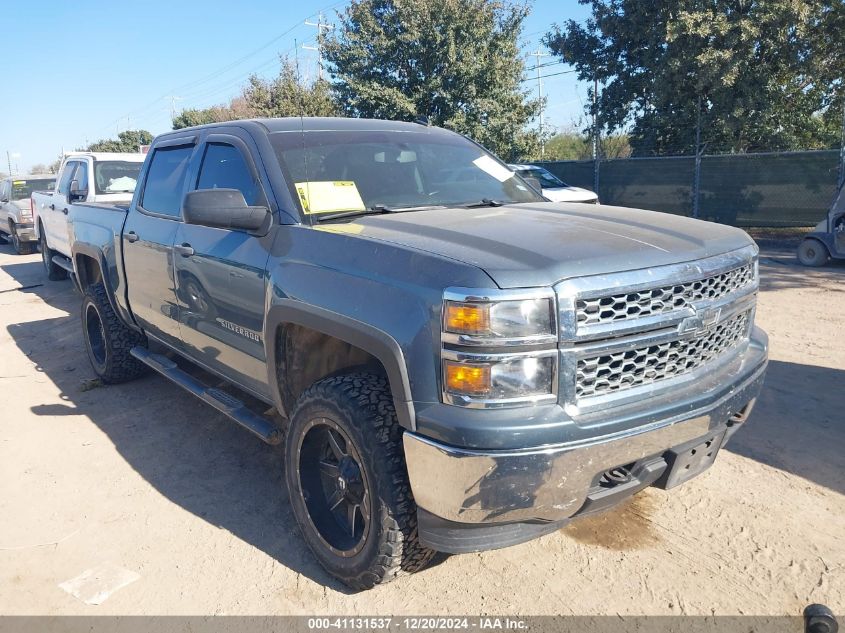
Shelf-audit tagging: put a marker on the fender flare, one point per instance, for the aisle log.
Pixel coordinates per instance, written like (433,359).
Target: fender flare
(370,339)
(97,255)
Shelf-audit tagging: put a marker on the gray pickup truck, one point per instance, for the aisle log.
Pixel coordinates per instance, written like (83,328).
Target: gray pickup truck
(458,363)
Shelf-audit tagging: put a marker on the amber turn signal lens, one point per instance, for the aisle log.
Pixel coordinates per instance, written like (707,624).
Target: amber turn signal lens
(462,378)
(467,318)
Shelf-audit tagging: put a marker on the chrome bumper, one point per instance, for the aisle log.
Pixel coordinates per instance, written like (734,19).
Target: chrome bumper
(552,483)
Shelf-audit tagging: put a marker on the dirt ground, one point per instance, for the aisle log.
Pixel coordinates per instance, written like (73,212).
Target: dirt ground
(141,485)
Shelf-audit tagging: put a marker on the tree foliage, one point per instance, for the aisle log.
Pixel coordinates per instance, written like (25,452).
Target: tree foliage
(573,145)
(127,141)
(456,62)
(39,168)
(760,74)
(284,95)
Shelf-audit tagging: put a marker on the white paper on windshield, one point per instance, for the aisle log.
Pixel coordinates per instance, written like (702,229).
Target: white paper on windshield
(497,170)
(124,183)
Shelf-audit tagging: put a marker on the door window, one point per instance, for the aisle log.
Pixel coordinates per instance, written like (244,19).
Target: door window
(224,167)
(165,180)
(81,176)
(67,176)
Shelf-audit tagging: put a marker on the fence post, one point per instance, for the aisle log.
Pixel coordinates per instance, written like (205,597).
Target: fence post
(842,151)
(696,185)
(596,148)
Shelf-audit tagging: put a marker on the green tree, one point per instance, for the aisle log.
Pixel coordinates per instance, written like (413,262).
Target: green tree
(39,168)
(750,71)
(127,141)
(288,95)
(456,62)
(237,108)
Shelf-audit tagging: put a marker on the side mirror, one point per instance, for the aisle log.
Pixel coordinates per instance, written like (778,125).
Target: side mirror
(75,193)
(534,182)
(224,209)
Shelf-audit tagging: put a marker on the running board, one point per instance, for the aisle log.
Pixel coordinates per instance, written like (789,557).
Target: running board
(220,400)
(63,262)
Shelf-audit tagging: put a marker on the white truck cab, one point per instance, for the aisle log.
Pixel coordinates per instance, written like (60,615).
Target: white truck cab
(84,177)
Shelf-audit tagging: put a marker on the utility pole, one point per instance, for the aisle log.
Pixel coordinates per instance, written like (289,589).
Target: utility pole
(595,135)
(9,161)
(538,54)
(321,26)
(173,100)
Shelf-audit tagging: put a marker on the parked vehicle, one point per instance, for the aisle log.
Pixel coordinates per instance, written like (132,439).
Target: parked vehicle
(16,210)
(461,365)
(553,187)
(828,239)
(83,178)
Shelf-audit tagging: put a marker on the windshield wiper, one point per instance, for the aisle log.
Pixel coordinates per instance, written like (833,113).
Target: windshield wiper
(376,209)
(484,202)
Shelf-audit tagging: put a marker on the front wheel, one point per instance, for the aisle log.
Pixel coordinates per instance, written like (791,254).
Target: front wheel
(348,484)
(812,253)
(54,272)
(108,340)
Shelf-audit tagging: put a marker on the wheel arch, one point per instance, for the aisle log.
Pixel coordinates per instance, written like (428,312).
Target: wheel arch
(825,239)
(349,344)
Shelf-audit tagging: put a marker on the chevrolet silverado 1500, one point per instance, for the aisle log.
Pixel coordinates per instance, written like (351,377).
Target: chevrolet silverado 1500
(459,363)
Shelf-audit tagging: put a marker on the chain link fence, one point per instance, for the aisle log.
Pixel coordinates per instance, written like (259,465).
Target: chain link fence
(782,189)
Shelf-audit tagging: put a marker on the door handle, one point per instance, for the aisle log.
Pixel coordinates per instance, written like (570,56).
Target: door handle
(64,210)
(132,236)
(185,250)
(53,207)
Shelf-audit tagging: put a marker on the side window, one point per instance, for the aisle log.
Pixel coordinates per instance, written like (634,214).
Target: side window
(67,176)
(165,179)
(81,176)
(224,167)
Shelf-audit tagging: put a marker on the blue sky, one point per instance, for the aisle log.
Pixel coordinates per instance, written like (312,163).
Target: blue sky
(78,72)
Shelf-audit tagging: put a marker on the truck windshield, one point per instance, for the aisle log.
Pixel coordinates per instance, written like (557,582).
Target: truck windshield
(334,171)
(22,189)
(116,176)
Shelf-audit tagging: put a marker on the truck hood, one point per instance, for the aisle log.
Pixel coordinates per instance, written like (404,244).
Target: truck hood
(538,244)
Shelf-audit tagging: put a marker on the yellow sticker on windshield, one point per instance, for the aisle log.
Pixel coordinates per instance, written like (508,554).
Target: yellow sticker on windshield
(19,182)
(326,196)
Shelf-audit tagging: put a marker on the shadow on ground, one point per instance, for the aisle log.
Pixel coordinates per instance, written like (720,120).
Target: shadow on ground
(798,424)
(188,452)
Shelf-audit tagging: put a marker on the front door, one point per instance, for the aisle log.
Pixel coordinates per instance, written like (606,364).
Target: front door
(148,238)
(220,274)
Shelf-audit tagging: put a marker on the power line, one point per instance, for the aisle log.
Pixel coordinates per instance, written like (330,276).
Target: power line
(563,72)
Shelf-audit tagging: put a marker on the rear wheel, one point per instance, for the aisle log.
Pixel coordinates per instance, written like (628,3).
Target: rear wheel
(348,485)
(812,253)
(54,272)
(107,340)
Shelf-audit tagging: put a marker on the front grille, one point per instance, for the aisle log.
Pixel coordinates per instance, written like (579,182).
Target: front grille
(607,373)
(633,305)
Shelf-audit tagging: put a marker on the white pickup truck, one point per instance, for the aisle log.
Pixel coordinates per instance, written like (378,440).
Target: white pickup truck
(83,178)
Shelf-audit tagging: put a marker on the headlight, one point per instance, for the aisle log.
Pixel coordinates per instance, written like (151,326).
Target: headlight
(511,378)
(500,320)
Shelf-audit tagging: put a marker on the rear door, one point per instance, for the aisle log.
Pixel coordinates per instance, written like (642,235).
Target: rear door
(54,214)
(220,273)
(148,237)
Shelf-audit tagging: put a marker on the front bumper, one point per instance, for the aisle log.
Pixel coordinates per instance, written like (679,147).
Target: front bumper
(458,488)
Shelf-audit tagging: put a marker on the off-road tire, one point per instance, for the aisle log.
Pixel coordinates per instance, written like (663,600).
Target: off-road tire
(362,405)
(812,252)
(22,248)
(114,363)
(54,272)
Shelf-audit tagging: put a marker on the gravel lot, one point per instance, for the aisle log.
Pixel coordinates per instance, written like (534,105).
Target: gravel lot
(142,485)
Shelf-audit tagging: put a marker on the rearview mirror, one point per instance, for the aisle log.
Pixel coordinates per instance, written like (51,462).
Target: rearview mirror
(224,209)
(75,193)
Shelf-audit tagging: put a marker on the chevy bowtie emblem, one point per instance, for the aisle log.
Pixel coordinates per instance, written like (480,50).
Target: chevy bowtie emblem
(704,319)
